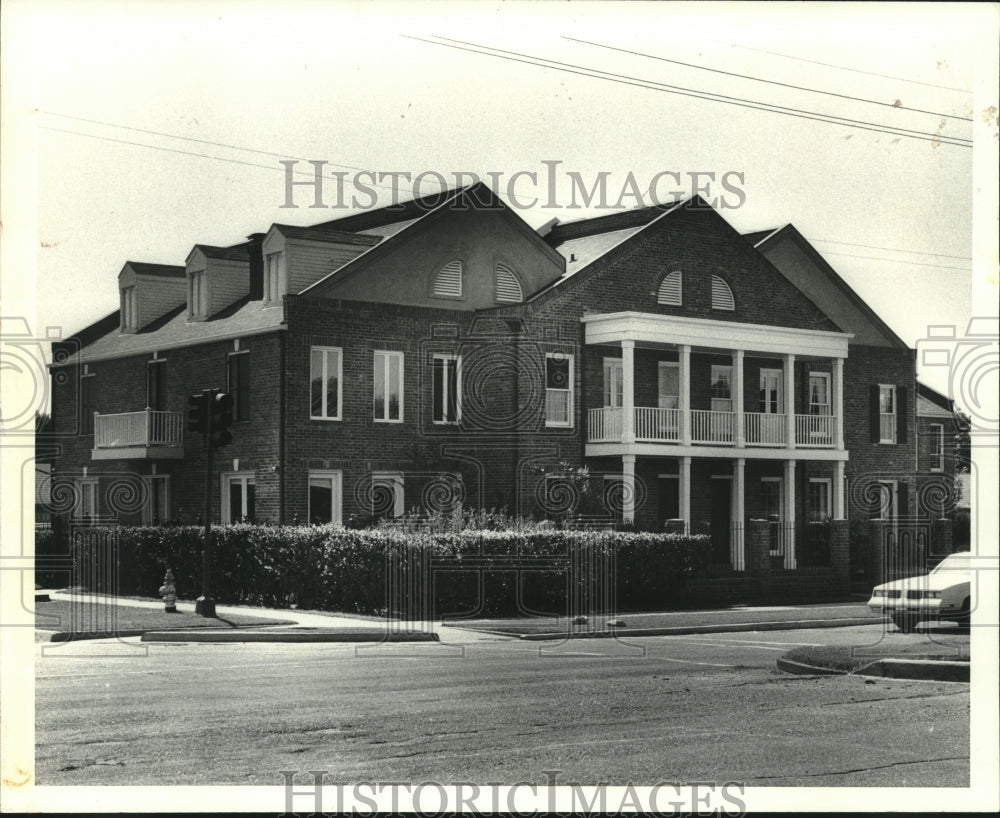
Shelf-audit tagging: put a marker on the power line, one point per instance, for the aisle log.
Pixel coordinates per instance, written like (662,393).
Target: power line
(898,261)
(893,249)
(770,82)
(638,82)
(847,68)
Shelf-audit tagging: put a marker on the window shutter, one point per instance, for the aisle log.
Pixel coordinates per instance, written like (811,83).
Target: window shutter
(508,287)
(901,414)
(902,500)
(875,434)
(448,281)
(722,296)
(670,289)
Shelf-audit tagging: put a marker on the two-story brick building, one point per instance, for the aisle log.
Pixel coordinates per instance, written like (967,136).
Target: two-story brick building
(442,351)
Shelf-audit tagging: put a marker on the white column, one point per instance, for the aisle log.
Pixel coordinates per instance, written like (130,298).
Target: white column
(838,491)
(837,402)
(790,400)
(789,521)
(628,489)
(738,431)
(685,396)
(685,492)
(738,557)
(628,391)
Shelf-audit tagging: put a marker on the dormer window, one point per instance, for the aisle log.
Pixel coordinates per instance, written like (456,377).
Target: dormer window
(129,311)
(274,274)
(722,296)
(508,287)
(669,293)
(198,295)
(448,281)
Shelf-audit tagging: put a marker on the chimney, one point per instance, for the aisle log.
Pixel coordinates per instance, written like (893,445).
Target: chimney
(256,266)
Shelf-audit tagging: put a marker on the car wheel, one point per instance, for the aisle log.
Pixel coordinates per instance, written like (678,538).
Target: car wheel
(905,622)
(963,616)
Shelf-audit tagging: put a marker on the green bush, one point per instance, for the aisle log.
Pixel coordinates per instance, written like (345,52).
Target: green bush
(405,571)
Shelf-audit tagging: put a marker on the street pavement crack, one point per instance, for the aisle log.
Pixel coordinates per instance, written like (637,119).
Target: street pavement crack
(860,769)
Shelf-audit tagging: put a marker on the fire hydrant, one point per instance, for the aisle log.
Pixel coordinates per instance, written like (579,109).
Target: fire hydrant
(169,593)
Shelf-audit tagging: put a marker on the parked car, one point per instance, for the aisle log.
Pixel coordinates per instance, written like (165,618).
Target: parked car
(943,594)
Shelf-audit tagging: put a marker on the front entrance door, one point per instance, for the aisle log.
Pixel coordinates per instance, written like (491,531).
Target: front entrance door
(720,519)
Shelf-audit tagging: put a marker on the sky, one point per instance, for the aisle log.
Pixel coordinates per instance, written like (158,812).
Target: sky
(153,127)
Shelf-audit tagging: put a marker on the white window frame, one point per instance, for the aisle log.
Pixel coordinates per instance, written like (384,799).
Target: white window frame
(336,478)
(717,402)
(386,357)
(828,406)
(130,308)
(780,482)
(827,513)
(668,298)
(152,481)
(937,446)
(722,295)
(779,392)
(568,391)
(396,480)
(86,486)
(435,293)
(445,421)
(274,277)
(324,374)
(243,477)
(662,396)
(198,294)
(614,383)
(888,512)
(890,390)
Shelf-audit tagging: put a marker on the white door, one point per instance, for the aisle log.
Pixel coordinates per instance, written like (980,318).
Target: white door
(772,425)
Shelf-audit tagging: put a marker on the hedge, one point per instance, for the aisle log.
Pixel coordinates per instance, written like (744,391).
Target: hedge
(411,574)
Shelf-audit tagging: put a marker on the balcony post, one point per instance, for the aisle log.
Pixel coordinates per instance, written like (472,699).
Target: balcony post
(685,399)
(738,556)
(837,402)
(628,391)
(685,491)
(790,513)
(628,488)
(149,425)
(790,400)
(738,432)
(838,491)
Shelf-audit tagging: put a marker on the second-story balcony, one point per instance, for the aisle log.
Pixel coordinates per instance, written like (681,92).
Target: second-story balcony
(711,428)
(144,435)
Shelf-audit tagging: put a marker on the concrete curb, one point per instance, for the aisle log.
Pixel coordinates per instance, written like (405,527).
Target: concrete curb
(684,630)
(937,670)
(289,636)
(803,669)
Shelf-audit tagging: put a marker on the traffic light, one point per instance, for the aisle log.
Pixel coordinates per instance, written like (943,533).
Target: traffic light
(222,419)
(197,413)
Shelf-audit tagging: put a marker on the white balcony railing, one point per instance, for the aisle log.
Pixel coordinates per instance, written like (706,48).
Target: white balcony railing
(712,427)
(814,430)
(762,429)
(657,424)
(146,428)
(605,424)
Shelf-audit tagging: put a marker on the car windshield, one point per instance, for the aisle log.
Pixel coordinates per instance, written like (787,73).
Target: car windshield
(955,562)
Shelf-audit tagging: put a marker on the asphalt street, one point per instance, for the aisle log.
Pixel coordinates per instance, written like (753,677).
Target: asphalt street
(640,710)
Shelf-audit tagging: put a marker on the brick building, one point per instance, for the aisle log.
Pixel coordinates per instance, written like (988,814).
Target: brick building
(442,352)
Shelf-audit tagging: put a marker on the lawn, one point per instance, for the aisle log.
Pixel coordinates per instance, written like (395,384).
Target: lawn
(849,659)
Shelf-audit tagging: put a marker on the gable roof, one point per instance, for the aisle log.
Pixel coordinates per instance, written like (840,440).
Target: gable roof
(317,234)
(142,268)
(791,233)
(238,252)
(934,400)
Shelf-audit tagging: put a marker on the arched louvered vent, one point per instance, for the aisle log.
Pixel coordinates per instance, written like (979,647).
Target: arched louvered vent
(448,281)
(670,290)
(722,296)
(508,287)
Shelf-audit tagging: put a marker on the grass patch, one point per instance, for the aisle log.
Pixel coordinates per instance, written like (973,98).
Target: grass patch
(94,617)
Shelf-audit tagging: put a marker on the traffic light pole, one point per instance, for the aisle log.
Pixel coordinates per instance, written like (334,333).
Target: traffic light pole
(205,605)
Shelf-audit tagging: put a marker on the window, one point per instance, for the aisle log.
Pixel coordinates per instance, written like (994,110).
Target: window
(86,492)
(274,269)
(722,390)
(558,389)
(87,405)
(722,296)
(508,287)
(669,385)
(129,315)
(772,507)
(613,382)
(388,397)
(238,377)
(325,365)
(818,499)
(819,393)
(155,397)
(669,293)
(771,387)
(156,510)
(937,447)
(887,413)
(198,295)
(447,389)
(448,281)
(239,495)
(387,494)
(325,497)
